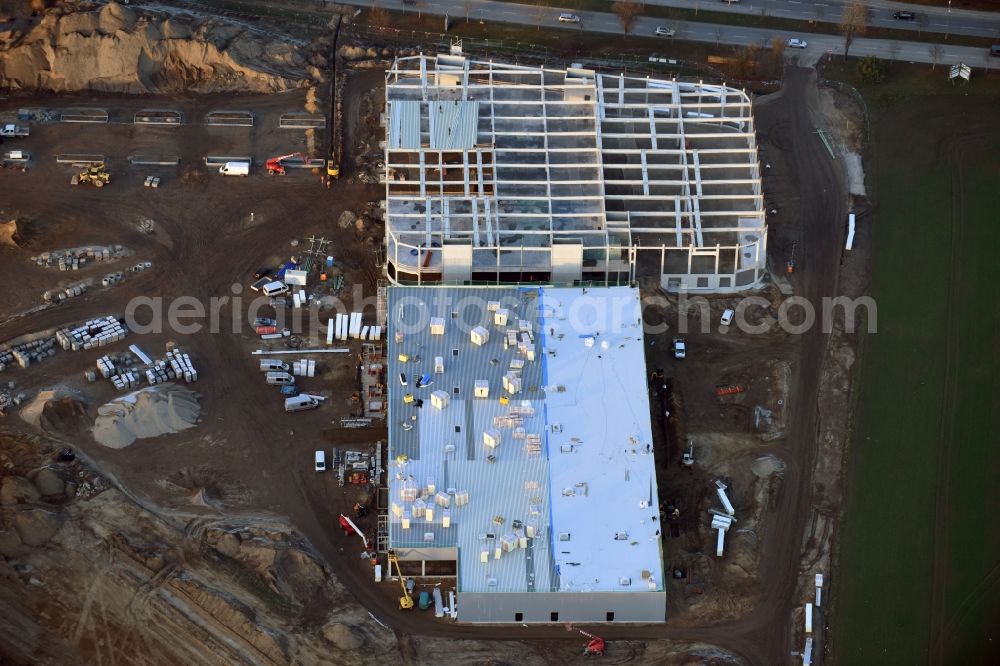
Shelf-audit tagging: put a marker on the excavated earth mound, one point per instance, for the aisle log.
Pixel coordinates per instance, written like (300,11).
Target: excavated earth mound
(119,49)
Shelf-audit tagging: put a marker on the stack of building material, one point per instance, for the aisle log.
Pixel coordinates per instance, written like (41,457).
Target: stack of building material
(526,346)
(159,373)
(141,355)
(492,438)
(304,368)
(512,382)
(437,326)
(27,353)
(440,399)
(533,444)
(181,365)
(342,326)
(106,367)
(93,333)
(479,335)
(126,381)
(354,329)
(722,521)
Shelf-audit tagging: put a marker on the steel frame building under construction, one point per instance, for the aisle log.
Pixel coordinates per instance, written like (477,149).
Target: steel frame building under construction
(499,173)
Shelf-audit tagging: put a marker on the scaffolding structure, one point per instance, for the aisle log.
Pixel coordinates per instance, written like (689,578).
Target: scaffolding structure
(499,173)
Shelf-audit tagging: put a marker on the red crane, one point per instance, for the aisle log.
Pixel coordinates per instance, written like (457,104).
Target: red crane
(594,648)
(275,166)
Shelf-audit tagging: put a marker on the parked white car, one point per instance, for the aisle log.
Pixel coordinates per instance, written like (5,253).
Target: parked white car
(797,44)
(569,18)
(680,349)
(727,317)
(665,32)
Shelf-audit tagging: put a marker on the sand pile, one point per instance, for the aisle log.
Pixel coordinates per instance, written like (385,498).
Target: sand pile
(8,233)
(767,465)
(150,412)
(120,49)
(54,407)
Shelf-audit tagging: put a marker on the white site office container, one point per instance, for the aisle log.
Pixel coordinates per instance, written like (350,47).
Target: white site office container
(720,543)
(418,509)
(809,618)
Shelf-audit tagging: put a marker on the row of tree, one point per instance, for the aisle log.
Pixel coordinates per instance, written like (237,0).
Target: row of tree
(853,22)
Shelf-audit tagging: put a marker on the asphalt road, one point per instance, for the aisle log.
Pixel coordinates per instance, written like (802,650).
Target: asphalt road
(606,22)
(929,19)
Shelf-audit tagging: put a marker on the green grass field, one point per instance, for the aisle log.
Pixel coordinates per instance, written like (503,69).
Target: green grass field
(917,578)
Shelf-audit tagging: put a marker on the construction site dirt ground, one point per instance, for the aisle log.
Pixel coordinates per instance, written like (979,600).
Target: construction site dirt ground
(212,232)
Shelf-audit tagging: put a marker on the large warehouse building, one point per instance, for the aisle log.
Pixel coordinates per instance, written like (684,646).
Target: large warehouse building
(520,451)
(499,173)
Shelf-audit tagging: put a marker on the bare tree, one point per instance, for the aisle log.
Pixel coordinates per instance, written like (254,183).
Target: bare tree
(378,16)
(752,59)
(628,11)
(777,53)
(854,22)
(936,51)
(718,36)
(468,5)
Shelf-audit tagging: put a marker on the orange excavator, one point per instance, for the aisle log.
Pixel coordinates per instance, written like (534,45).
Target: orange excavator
(275,166)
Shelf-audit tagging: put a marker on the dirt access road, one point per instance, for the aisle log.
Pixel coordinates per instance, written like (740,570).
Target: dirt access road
(206,245)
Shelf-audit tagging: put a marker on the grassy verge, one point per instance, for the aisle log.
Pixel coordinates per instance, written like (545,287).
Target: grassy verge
(915,580)
(781,27)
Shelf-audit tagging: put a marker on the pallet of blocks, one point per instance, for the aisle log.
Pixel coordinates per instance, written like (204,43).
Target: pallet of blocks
(93,333)
(180,364)
(126,381)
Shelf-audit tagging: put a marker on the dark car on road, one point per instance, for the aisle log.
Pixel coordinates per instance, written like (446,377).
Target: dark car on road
(904,16)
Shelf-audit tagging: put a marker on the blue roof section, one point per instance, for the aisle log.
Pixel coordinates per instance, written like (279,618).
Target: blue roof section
(572,452)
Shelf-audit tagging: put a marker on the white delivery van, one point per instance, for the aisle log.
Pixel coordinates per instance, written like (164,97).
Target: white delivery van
(273,365)
(275,289)
(301,403)
(320,461)
(235,169)
(279,378)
